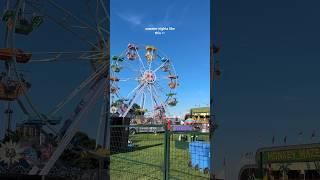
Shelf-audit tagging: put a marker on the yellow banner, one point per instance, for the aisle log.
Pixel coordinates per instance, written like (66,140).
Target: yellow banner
(293,155)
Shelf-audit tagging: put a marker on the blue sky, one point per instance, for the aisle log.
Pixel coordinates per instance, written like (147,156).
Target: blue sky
(187,46)
(270,59)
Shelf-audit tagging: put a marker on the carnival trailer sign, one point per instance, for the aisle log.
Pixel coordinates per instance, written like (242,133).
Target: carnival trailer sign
(302,154)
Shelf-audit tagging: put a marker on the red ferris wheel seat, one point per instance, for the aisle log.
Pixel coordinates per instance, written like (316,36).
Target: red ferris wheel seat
(6,54)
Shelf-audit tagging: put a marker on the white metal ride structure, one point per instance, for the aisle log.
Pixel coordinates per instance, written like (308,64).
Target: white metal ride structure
(142,83)
(24,17)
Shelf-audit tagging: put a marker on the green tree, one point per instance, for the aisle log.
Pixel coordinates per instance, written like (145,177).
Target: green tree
(13,136)
(75,158)
(135,109)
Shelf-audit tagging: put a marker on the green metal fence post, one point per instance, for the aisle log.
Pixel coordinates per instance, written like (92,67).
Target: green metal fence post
(166,153)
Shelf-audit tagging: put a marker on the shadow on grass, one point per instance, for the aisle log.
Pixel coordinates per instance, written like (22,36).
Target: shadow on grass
(117,150)
(139,148)
(177,175)
(130,174)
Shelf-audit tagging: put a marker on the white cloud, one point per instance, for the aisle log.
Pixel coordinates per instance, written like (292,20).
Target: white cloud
(170,16)
(131,18)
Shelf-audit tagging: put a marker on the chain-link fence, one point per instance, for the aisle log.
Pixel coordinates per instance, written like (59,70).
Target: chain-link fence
(151,152)
(189,155)
(137,152)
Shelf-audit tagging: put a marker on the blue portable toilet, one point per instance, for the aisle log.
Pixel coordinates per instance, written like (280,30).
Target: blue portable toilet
(200,154)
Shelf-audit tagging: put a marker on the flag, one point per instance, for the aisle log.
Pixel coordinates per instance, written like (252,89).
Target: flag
(285,139)
(273,140)
(242,157)
(313,134)
(300,136)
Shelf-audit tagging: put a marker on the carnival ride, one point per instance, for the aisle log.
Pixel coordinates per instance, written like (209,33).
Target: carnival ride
(25,18)
(142,84)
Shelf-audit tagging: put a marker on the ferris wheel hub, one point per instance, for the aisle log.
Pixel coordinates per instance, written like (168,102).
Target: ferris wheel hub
(149,77)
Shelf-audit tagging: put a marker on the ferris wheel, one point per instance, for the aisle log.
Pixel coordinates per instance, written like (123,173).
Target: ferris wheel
(143,81)
(22,19)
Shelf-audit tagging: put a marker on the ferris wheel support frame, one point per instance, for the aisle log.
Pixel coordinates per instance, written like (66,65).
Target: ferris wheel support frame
(85,104)
(134,100)
(9,42)
(11,66)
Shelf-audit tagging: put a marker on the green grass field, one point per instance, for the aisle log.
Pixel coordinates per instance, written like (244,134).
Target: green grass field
(145,160)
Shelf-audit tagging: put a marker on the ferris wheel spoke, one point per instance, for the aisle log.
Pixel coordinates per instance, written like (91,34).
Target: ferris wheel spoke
(153,102)
(98,26)
(141,62)
(93,56)
(103,29)
(55,56)
(136,94)
(45,60)
(153,97)
(163,78)
(160,88)
(133,101)
(86,82)
(162,105)
(117,95)
(104,7)
(103,20)
(154,71)
(89,10)
(128,79)
(55,4)
(159,56)
(66,26)
(98,22)
(79,27)
(135,89)
(150,65)
(103,38)
(159,98)
(63,52)
(22,107)
(142,101)
(133,69)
